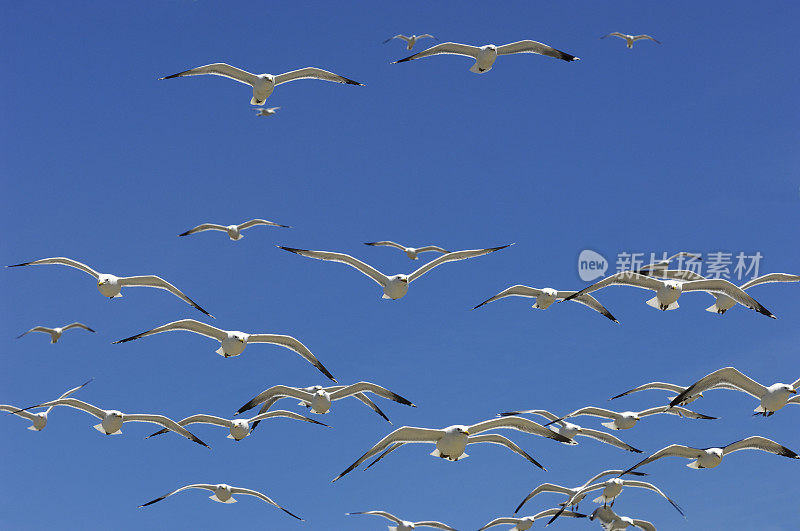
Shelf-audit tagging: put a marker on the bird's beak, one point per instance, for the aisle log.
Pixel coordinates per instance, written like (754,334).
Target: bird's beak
(466,432)
(793,391)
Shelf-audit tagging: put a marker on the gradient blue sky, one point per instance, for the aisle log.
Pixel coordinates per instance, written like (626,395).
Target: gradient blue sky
(688,145)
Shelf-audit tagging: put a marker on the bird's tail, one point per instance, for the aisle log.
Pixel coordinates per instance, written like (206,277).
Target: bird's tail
(716,309)
(654,302)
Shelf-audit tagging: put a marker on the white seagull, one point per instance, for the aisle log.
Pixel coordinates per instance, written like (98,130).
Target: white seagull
(267,111)
(570,430)
(55,333)
(725,303)
(546,296)
(405,525)
(570,492)
(625,420)
(234,231)
(110,285)
(112,420)
(772,398)
(239,428)
(39,419)
(319,399)
(410,41)
(668,291)
(525,523)
(224,494)
(411,252)
(263,84)
(711,457)
(614,522)
(630,39)
(395,286)
(233,342)
(451,441)
(485,56)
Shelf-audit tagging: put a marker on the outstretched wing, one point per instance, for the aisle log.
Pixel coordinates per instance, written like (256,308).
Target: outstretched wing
(293,345)
(77,325)
(313,73)
(168,423)
(434,524)
(17,411)
(386,243)
(205,486)
(545,487)
(445,48)
(428,248)
(450,257)
(202,227)
(673,450)
(249,492)
(638,38)
(368,270)
(495,438)
(219,69)
(388,516)
(650,486)
(516,423)
(254,222)
(724,376)
(534,47)
(152,281)
(589,301)
(188,325)
(608,439)
(771,277)
(615,34)
(652,385)
(275,392)
(60,260)
(759,443)
(624,278)
(369,387)
(719,285)
(514,291)
(37,329)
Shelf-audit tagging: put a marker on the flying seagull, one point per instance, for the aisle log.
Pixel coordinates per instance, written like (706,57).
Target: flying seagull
(546,296)
(451,441)
(239,428)
(411,252)
(485,56)
(630,39)
(410,41)
(525,523)
(668,291)
(224,494)
(233,342)
(570,430)
(234,231)
(263,84)
(668,387)
(39,419)
(725,303)
(319,399)
(405,525)
(772,398)
(55,333)
(625,420)
(111,286)
(112,420)
(613,522)
(264,111)
(570,492)
(395,286)
(711,457)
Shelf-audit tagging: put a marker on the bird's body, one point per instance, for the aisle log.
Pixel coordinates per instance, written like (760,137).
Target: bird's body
(630,39)
(55,333)
(486,55)
(39,419)
(239,428)
(262,84)
(410,40)
(223,493)
(234,231)
(723,303)
(545,297)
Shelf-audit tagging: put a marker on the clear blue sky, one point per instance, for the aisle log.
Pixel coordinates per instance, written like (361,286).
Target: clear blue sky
(688,145)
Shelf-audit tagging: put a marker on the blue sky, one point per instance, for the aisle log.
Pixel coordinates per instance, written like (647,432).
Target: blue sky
(688,145)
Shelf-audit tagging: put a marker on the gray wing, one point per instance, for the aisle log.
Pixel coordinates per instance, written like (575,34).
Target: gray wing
(589,301)
(502,521)
(285,414)
(675,410)
(445,48)
(386,243)
(313,73)
(254,222)
(638,38)
(609,473)
(673,450)
(372,405)
(624,278)
(205,486)
(203,227)
(368,270)
(494,438)
(388,516)
(385,453)
(152,281)
(249,492)
(168,423)
(37,329)
(405,38)
(435,248)
(771,277)
(434,524)
(276,392)
(540,412)
(361,387)
(17,411)
(187,325)
(450,257)
(534,47)
(197,419)
(593,411)
(293,345)
(650,486)
(516,423)
(652,385)
(731,290)
(759,443)
(615,34)
(219,69)
(65,395)
(675,274)
(60,260)
(545,487)
(77,325)
(724,376)
(76,404)
(644,524)
(608,439)
(514,291)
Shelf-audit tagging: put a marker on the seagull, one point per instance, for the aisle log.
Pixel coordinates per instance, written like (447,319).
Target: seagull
(570,431)
(112,419)
(626,420)
(319,399)
(711,457)
(523,524)
(410,41)
(411,252)
(233,342)
(546,296)
(670,387)
(55,333)
(263,84)
(725,303)
(234,231)
(613,522)
(630,39)
(405,525)
(264,111)
(451,441)
(772,398)
(654,267)
(485,56)
(224,494)
(611,489)
(239,428)
(570,492)
(668,291)
(40,419)
(110,286)
(395,286)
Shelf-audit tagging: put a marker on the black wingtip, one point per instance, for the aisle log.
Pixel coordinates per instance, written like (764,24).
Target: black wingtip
(184,233)
(18,265)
